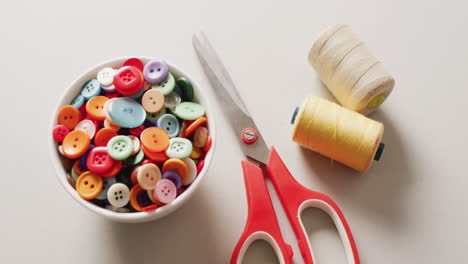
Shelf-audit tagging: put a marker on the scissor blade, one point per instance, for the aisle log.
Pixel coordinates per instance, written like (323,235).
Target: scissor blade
(233,106)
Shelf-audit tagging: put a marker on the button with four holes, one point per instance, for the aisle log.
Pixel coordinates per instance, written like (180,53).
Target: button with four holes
(165,191)
(90,89)
(179,148)
(120,147)
(106,76)
(59,132)
(99,161)
(169,123)
(148,175)
(78,101)
(118,195)
(89,185)
(128,80)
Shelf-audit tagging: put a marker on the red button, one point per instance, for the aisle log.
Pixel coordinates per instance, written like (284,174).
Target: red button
(128,80)
(99,161)
(60,132)
(137,130)
(200,166)
(249,135)
(135,63)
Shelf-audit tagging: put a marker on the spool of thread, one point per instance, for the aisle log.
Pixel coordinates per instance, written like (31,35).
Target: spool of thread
(338,133)
(355,77)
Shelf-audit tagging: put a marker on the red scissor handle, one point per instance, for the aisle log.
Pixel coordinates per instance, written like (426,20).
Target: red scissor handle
(261,219)
(295,198)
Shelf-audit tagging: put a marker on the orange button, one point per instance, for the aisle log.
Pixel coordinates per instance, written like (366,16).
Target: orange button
(156,156)
(68,116)
(155,139)
(95,107)
(152,101)
(89,185)
(78,168)
(177,166)
(196,153)
(192,127)
(75,144)
(110,124)
(103,136)
(115,170)
(133,197)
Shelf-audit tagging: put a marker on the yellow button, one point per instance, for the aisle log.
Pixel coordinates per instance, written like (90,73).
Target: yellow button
(89,185)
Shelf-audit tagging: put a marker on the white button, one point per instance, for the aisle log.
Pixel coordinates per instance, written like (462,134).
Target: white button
(106,76)
(87,126)
(192,171)
(118,195)
(136,144)
(148,175)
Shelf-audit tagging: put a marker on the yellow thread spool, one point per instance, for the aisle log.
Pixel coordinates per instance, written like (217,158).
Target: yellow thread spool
(338,133)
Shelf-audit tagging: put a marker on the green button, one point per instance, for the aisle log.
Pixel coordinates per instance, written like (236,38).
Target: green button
(179,148)
(135,159)
(120,147)
(167,86)
(187,88)
(154,117)
(189,111)
(74,175)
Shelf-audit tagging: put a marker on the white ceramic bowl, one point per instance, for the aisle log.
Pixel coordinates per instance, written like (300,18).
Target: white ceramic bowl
(135,217)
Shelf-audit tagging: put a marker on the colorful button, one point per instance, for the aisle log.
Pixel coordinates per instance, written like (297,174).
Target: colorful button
(103,136)
(166,86)
(178,166)
(59,132)
(155,156)
(143,199)
(126,112)
(135,63)
(155,139)
(189,111)
(89,185)
(136,95)
(87,126)
(99,161)
(84,158)
(152,101)
(128,80)
(135,159)
(74,175)
(174,177)
(110,91)
(200,166)
(154,117)
(95,107)
(183,128)
(136,189)
(118,195)
(136,144)
(134,174)
(78,168)
(209,142)
(165,191)
(120,147)
(169,123)
(90,89)
(115,170)
(105,76)
(192,171)
(136,131)
(172,100)
(179,148)
(196,153)
(148,175)
(186,87)
(155,71)
(200,137)
(75,144)
(111,125)
(106,184)
(78,101)
(249,135)
(68,116)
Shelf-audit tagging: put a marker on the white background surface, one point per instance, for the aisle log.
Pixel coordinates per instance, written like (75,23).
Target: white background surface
(409,208)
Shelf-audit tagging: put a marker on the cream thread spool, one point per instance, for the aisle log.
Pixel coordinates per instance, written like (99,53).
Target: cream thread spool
(355,77)
(338,133)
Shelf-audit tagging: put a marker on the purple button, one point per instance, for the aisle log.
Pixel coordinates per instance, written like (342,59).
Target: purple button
(109,88)
(165,191)
(173,177)
(155,71)
(143,199)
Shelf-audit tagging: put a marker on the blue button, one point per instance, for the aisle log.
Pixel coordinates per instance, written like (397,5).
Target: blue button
(106,183)
(90,89)
(84,158)
(126,112)
(137,95)
(78,101)
(169,123)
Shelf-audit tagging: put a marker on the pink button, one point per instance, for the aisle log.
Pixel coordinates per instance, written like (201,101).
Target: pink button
(87,126)
(99,161)
(137,130)
(165,191)
(60,132)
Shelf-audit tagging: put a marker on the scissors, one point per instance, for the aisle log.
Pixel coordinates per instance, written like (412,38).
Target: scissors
(261,220)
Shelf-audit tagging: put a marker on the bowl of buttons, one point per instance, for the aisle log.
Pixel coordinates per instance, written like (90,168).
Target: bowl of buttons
(132,138)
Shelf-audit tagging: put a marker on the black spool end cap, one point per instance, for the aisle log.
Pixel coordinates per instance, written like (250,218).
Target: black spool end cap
(379,152)
(293,118)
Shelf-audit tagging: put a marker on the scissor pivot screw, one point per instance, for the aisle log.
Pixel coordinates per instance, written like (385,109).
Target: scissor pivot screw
(249,135)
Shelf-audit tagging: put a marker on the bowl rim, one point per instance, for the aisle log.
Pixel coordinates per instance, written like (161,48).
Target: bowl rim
(131,217)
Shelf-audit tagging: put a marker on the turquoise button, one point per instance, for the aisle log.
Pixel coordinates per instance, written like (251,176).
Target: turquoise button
(135,159)
(187,88)
(126,112)
(167,86)
(137,95)
(120,147)
(154,117)
(169,123)
(179,148)
(189,111)
(106,183)
(78,101)
(90,89)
